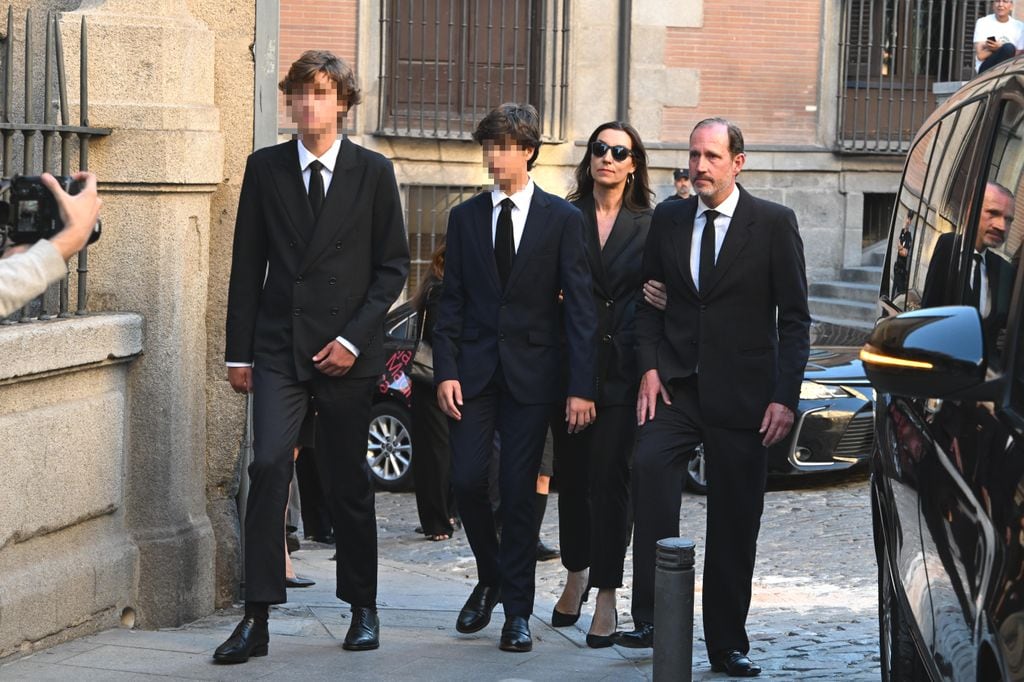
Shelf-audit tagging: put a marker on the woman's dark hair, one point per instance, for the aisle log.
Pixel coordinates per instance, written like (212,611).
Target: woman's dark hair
(638,194)
(517,122)
(434,274)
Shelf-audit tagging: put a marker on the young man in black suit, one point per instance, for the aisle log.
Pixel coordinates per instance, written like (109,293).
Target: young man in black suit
(320,254)
(722,365)
(496,357)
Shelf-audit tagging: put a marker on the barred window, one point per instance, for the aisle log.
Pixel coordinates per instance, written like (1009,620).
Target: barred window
(426,215)
(446,63)
(891,55)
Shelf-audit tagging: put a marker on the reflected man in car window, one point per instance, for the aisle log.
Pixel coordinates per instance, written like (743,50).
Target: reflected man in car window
(989,277)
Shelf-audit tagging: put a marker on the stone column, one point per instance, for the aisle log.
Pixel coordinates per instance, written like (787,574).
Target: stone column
(152,80)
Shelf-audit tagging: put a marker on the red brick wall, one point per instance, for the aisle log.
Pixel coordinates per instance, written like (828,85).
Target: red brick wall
(316,25)
(758,63)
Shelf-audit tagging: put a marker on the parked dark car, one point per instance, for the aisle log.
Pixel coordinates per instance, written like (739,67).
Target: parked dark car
(833,429)
(389,443)
(947,365)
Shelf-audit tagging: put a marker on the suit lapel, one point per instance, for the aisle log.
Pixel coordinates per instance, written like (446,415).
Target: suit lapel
(682,235)
(623,232)
(536,219)
(346,183)
(482,215)
(735,239)
(592,240)
(291,192)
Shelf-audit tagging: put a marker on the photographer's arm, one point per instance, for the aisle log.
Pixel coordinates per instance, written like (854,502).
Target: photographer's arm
(26,274)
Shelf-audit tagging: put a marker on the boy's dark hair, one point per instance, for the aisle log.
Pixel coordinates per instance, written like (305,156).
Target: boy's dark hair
(312,62)
(517,122)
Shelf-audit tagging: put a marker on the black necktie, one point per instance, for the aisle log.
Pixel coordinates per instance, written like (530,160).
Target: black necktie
(976,282)
(707,250)
(504,246)
(316,187)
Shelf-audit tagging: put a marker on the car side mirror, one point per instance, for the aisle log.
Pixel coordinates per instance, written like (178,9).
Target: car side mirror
(928,353)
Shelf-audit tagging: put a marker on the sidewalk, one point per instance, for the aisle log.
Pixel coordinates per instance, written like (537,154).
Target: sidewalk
(418,642)
(813,616)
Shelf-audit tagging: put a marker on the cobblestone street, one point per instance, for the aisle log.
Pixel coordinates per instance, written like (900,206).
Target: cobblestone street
(813,615)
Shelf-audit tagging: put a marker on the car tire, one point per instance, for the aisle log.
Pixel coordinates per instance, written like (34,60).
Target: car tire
(899,657)
(696,472)
(389,447)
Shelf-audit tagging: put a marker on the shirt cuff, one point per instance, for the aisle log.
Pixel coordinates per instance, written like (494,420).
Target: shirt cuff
(345,342)
(238,364)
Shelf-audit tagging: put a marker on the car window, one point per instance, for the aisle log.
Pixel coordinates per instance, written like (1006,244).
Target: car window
(930,204)
(404,327)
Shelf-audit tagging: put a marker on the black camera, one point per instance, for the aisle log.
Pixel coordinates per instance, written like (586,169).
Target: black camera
(31,212)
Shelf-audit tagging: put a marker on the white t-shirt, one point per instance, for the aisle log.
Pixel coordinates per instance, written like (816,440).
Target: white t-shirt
(1011,31)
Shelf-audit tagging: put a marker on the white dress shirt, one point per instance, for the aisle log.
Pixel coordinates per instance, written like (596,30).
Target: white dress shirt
(328,159)
(726,210)
(521,207)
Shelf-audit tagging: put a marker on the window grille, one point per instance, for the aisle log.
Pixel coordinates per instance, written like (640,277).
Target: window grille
(426,216)
(891,53)
(445,63)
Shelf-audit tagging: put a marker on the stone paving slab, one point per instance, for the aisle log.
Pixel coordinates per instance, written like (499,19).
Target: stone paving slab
(813,615)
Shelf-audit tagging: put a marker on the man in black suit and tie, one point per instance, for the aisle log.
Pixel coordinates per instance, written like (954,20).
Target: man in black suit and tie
(988,280)
(722,365)
(496,357)
(320,254)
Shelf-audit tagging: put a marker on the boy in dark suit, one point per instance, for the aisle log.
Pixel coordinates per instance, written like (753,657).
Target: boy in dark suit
(320,254)
(496,357)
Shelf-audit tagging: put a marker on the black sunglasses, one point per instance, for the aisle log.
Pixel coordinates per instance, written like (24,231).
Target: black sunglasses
(619,152)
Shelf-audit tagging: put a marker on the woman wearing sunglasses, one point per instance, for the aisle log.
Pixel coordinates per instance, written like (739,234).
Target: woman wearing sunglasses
(592,467)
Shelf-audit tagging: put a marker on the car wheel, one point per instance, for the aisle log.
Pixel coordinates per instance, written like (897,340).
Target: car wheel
(900,660)
(696,472)
(389,447)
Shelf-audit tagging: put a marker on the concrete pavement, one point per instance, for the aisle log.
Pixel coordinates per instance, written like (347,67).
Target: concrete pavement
(813,615)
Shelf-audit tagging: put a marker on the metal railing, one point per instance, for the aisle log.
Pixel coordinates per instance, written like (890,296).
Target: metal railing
(445,63)
(892,52)
(31,132)
(426,217)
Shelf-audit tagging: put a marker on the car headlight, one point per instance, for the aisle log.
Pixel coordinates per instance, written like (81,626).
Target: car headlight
(811,390)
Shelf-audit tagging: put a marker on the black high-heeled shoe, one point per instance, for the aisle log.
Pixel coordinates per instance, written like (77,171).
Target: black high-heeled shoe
(603,641)
(564,620)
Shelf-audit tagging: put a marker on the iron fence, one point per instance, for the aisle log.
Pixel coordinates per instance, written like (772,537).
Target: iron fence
(892,52)
(445,63)
(426,216)
(31,132)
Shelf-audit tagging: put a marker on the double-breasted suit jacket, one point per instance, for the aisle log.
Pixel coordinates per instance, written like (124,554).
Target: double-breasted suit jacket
(746,337)
(333,277)
(480,324)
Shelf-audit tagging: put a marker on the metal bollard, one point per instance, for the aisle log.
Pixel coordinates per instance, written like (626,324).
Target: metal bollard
(673,610)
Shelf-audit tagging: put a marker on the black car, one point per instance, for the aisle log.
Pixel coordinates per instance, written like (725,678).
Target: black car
(947,364)
(834,427)
(389,443)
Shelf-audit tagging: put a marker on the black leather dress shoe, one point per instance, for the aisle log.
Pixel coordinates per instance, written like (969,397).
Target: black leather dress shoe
(364,632)
(515,635)
(250,638)
(545,553)
(640,638)
(476,613)
(735,663)
(299,581)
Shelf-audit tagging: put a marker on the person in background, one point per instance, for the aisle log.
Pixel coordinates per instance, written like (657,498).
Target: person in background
(997,36)
(681,179)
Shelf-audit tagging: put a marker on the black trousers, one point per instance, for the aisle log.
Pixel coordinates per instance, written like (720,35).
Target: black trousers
(432,471)
(737,469)
(592,471)
(316,513)
(510,564)
(279,406)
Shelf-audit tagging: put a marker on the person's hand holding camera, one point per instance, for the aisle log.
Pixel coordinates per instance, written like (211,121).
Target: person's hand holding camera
(79,212)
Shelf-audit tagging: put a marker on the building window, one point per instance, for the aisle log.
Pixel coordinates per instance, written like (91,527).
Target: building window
(891,55)
(446,63)
(426,215)
(877,214)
